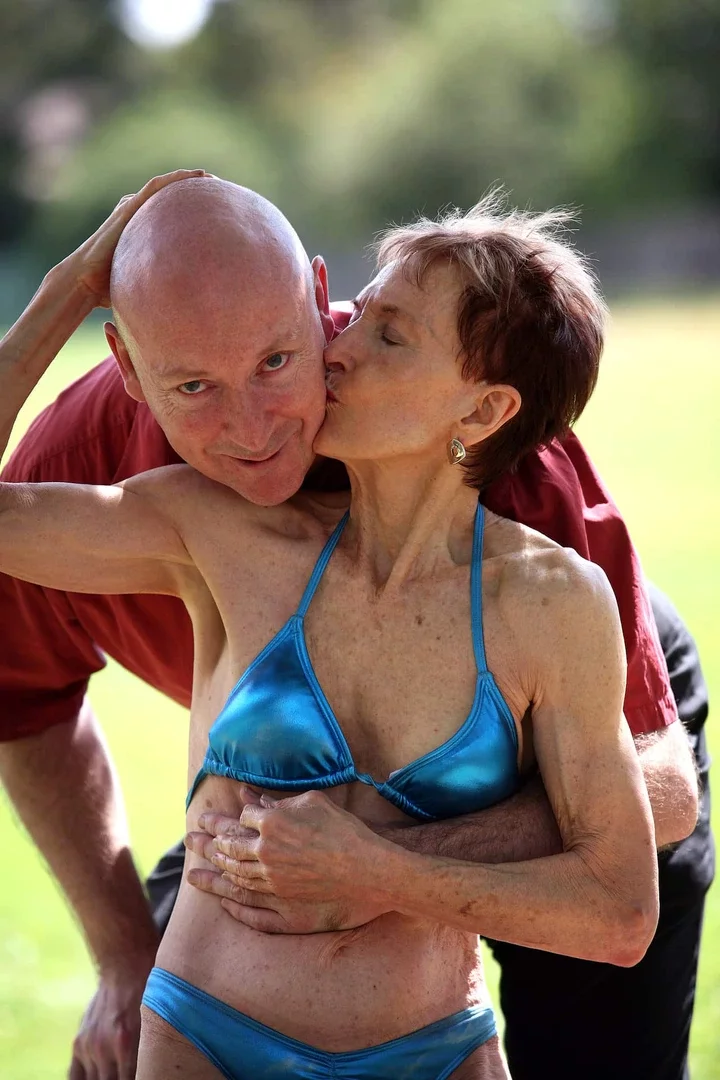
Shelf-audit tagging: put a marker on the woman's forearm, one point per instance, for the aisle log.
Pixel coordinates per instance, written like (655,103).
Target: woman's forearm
(563,903)
(68,293)
(29,347)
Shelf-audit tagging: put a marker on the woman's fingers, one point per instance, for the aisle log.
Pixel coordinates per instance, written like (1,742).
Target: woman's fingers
(157,183)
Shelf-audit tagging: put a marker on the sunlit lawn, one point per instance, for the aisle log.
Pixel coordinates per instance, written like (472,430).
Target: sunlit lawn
(653,431)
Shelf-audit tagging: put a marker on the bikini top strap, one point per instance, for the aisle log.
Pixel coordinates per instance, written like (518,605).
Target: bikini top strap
(320,565)
(476,589)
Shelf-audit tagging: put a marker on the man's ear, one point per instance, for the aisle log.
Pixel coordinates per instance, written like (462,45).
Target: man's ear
(496,405)
(322,296)
(125,364)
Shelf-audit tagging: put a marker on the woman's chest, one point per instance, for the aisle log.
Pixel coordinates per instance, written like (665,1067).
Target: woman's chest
(374,679)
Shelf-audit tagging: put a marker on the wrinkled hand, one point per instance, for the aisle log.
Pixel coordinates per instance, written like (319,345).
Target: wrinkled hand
(91,262)
(302,849)
(271,915)
(106,1045)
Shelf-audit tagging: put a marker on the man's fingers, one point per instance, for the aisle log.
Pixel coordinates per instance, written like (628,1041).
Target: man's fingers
(126,1046)
(220,885)
(265,920)
(221,823)
(76,1070)
(201,843)
(238,848)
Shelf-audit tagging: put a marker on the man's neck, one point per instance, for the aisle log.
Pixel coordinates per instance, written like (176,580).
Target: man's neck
(326,474)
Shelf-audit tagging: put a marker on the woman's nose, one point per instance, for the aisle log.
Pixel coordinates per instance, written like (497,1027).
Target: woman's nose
(338,353)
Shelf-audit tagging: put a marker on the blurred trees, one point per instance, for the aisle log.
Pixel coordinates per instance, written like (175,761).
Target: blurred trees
(350,113)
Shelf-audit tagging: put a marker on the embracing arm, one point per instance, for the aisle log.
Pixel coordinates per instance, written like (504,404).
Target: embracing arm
(65,536)
(524,826)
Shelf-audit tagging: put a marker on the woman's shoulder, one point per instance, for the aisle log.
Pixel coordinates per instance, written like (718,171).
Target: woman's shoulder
(204,509)
(533,572)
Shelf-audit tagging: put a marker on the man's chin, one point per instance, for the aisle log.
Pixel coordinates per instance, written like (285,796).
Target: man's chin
(264,487)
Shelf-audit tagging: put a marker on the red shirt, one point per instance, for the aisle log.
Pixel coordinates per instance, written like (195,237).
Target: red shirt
(93,433)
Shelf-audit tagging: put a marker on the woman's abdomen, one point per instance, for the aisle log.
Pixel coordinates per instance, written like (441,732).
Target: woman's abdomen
(338,991)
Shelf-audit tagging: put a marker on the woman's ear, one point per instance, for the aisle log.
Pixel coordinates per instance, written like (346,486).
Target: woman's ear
(496,404)
(124,363)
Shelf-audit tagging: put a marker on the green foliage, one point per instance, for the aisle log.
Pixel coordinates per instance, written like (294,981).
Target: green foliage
(153,135)
(351,113)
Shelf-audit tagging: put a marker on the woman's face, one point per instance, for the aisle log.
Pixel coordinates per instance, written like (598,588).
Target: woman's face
(394,381)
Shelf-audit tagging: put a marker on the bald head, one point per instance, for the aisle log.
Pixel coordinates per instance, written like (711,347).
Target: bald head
(220,326)
(194,248)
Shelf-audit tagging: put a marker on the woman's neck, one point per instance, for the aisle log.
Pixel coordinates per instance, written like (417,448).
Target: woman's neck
(409,519)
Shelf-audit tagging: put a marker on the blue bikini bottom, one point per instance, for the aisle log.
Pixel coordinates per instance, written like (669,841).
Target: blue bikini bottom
(243,1049)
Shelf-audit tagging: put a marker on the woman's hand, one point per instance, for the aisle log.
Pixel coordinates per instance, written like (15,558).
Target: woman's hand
(305,848)
(90,263)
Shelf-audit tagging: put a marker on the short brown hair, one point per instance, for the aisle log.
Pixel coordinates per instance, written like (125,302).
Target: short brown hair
(530,315)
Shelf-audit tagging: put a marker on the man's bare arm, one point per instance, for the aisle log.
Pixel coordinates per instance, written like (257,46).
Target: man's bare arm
(65,791)
(524,826)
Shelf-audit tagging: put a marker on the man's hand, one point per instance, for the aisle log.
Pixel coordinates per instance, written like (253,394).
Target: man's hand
(106,1045)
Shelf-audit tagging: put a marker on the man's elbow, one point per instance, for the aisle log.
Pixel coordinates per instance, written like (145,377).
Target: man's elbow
(681,814)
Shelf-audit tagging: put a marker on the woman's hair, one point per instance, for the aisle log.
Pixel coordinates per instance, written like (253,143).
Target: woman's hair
(530,315)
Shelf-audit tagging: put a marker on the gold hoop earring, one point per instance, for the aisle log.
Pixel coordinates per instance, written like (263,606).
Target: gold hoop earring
(456,452)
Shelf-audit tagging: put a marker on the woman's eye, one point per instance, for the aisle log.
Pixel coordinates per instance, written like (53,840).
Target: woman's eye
(277,361)
(192,388)
(386,340)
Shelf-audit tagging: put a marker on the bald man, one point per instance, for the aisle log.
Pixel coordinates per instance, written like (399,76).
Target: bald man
(223,337)
(214,297)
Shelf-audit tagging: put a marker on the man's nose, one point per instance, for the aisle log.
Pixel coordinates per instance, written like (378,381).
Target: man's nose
(248,422)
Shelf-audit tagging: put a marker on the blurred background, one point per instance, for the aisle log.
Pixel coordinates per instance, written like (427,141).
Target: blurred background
(350,114)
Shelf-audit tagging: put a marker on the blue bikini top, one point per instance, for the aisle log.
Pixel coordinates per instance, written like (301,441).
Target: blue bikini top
(277,730)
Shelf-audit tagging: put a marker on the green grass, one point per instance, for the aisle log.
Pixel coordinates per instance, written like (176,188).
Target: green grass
(653,433)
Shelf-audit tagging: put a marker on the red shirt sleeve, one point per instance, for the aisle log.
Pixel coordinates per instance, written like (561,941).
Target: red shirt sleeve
(558,492)
(47,656)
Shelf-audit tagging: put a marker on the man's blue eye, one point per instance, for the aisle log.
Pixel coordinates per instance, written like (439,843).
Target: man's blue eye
(276,361)
(191,387)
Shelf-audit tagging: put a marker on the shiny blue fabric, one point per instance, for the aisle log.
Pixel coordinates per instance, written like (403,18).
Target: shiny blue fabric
(243,1049)
(277,729)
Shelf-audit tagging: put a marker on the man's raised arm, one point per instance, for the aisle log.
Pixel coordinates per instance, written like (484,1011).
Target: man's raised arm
(524,826)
